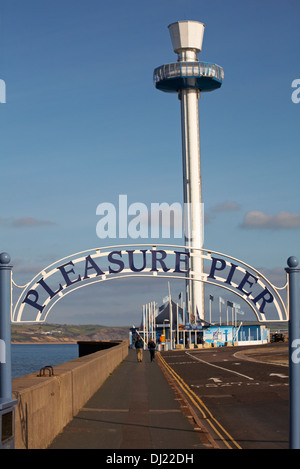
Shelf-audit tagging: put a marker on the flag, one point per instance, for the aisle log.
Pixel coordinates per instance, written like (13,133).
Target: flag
(229,303)
(221,300)
(165,299)
(186,316)
(211,297)
(180,317)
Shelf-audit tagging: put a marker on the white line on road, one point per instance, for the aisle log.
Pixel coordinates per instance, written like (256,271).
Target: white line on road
(216,380)
(217,366)
(279,375)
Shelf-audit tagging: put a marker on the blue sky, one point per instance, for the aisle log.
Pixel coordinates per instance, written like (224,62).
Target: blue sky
(83,123)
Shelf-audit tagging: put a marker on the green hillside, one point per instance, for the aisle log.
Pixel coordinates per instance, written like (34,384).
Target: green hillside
(38,333)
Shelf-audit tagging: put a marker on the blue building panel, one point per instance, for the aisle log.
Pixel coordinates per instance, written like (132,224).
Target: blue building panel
(220,336)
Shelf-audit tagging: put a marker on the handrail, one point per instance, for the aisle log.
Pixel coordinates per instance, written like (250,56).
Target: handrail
(188,69)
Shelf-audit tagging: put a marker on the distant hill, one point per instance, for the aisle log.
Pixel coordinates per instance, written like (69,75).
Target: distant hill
(53,333)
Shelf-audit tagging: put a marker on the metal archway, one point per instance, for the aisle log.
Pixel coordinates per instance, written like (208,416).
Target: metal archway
(97,265)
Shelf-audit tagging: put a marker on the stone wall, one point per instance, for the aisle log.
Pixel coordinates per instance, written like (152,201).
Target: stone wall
(47,403)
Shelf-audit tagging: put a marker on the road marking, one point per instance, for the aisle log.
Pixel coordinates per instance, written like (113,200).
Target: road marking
(182,363)
(90,409)
(243,356)
(216,380)
(228,384)
(206,414)
(279,375)
(220,367)
(276,385)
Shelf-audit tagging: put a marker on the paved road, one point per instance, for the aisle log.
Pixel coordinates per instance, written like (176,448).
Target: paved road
(243,400)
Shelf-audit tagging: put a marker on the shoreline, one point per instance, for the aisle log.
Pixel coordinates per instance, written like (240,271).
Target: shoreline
(45,343)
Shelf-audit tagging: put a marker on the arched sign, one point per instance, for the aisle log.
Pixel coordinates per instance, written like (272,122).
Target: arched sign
(97,265)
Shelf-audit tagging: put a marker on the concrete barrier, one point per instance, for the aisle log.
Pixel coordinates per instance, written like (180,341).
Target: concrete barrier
(46,404)
(179,346)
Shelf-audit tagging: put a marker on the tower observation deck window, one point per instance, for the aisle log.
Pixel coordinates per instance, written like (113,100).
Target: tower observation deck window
(181,70)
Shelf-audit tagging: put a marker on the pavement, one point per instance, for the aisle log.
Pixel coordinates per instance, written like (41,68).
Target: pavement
(136,408)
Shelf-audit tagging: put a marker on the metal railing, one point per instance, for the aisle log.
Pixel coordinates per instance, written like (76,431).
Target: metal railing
(188,69)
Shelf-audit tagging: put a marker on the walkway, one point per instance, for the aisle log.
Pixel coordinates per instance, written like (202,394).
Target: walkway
(136,408)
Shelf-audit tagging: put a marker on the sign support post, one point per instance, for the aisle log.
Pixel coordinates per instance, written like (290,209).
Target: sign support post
(5,328)
(294,343)
(6,402)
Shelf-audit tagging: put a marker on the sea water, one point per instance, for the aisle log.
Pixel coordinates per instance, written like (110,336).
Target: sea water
(30,358)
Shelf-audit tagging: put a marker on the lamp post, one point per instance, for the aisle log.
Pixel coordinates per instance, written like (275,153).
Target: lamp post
(294,343)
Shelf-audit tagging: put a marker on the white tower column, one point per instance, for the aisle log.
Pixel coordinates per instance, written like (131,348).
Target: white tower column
(192,194)
(189,77)
(187,40)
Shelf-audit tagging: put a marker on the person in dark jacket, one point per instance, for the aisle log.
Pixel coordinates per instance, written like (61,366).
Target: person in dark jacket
(152,347)
(139,348)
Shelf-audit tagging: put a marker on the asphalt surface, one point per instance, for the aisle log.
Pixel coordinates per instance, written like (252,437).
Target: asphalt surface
(241,393)
(231,398)
(136,408)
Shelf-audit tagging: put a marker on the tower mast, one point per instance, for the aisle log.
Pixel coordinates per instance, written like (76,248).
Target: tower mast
(189,77)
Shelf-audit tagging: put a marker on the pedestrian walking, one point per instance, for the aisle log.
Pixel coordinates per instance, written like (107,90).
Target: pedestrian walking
(152,347)
(139,348)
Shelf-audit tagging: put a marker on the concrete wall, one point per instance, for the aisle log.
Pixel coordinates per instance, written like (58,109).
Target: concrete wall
(46,404)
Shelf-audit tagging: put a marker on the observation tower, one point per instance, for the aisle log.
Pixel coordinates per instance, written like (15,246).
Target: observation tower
(189,78)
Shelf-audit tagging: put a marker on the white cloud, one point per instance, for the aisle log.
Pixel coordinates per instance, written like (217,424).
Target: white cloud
(226,206)
(29,222)
(260,220)
(25,222)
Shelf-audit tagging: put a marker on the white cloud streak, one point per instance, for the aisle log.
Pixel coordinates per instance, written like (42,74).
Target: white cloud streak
(25,222)
(256,219)
(226,206)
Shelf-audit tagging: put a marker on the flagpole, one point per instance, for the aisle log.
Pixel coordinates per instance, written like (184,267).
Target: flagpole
(190,332)
(177,326)
(154,320)
(143,322)
(152,323)
(147,321)
(183,314)
(220,307)
(171,317)
(146,324)
(211,299)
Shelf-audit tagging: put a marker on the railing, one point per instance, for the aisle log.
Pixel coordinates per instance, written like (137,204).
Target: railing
(188,69)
